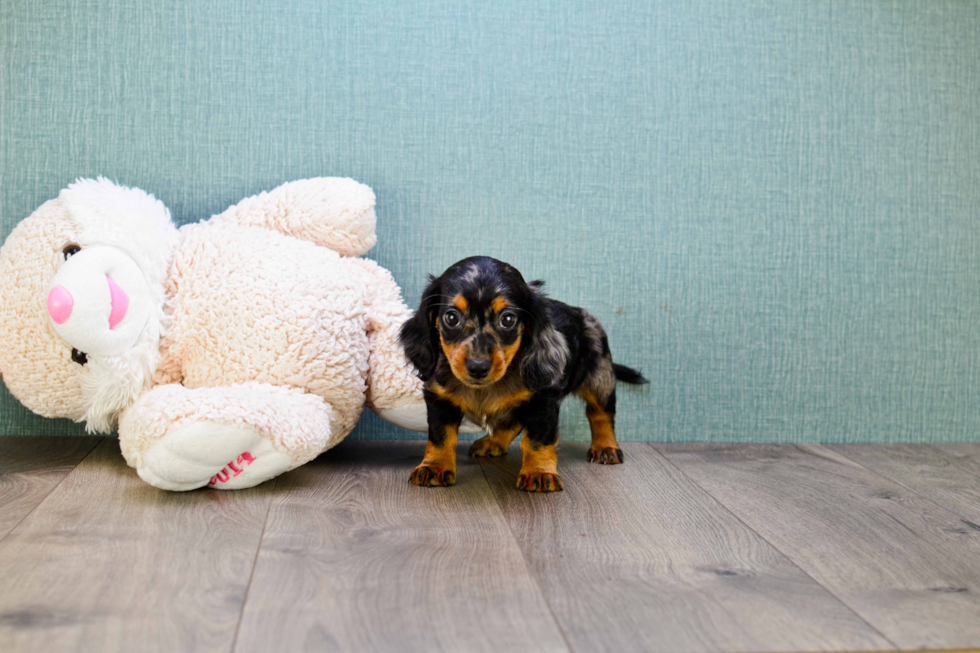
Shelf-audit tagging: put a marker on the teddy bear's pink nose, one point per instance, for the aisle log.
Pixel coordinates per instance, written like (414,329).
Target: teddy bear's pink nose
(60,303)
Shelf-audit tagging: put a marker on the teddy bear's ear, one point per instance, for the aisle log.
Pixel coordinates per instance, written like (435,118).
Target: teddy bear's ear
(102,199)
(128,218)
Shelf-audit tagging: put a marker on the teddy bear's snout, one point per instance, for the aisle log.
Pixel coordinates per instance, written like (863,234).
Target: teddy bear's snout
(61,303)
(98,301)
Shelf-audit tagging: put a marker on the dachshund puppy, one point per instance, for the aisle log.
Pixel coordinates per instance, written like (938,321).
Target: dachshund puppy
(492,347)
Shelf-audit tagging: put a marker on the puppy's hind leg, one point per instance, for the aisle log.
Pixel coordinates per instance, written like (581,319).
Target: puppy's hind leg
(599,393)
(496,442)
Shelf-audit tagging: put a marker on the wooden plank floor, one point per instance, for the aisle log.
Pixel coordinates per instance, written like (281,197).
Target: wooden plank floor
(683,548)
(30,468)
(108,563)
(637,557)
(944,473)
(905,564)
(355,558)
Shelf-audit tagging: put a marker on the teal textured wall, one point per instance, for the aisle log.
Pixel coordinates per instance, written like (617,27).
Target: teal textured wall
(774,207)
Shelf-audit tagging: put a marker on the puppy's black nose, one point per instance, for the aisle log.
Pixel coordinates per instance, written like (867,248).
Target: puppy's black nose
(478,367)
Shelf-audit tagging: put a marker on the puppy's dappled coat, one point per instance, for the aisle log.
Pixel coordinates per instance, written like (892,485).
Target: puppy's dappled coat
(493,348)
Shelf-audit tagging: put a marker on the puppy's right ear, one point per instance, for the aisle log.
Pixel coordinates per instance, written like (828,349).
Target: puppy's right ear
(419,335)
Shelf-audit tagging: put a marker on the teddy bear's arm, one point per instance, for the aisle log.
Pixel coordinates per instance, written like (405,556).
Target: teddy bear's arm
(227,437)
(332,212)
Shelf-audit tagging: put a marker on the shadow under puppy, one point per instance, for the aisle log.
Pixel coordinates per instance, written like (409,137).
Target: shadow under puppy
(492,347)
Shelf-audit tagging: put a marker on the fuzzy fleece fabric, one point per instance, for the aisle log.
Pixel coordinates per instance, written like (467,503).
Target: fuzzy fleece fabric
(227,351)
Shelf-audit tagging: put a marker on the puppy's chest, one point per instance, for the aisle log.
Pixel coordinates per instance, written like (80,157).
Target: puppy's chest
(492,406)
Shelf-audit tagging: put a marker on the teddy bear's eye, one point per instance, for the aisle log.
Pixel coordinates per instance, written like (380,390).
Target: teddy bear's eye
(79,356)
(69,251)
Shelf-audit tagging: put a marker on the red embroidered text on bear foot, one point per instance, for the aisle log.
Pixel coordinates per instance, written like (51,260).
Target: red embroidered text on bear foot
(232,469)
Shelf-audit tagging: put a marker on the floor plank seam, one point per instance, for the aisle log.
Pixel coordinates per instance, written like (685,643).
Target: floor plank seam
(951,509)
(530,572)
(255,562)
(775,548)
(53,488)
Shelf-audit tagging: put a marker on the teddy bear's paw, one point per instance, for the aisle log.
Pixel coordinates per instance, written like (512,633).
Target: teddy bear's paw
(221,456)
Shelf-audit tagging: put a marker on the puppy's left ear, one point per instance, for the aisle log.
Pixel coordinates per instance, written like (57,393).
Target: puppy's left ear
(419,336)
(546,353)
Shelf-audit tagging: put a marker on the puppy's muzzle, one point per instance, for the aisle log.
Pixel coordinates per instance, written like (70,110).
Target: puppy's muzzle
(478,368)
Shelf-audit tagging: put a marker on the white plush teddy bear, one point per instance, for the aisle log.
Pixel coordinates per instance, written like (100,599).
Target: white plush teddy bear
(227,351)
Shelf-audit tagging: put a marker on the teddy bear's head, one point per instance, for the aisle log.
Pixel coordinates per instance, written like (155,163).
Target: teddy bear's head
(81,301)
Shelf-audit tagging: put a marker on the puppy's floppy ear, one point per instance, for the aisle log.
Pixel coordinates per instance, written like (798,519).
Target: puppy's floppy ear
(546,353)
(419,335)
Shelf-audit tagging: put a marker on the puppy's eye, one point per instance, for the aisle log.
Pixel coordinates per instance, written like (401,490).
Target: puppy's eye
(451,318)
(508,320)
(70,250)
(79,356)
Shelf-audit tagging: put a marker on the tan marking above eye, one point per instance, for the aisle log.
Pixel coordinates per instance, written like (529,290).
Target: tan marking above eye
(460,302)
(499,304)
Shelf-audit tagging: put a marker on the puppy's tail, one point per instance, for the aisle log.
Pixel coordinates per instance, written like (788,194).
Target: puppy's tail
(628,375)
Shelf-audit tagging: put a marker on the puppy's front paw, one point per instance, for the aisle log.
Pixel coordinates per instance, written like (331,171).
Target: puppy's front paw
(605,455)
(486,446)
(539,482)
(432,475)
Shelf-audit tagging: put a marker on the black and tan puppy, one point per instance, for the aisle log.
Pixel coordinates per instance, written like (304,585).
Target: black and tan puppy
(492,347)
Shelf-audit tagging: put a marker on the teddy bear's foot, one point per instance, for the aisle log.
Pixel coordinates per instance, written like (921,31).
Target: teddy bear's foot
(412,416)
(212,454)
